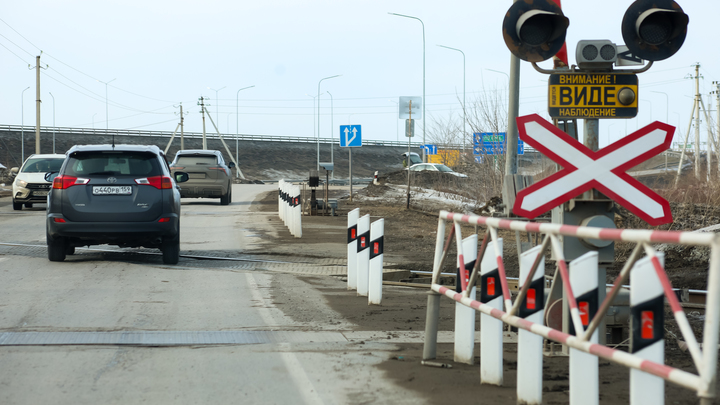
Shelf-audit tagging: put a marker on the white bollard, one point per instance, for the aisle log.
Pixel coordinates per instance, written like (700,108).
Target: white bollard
(353,217)
(465,316)
(363,254)
(530,345)
(375,180)
(491,329)
(647,332)
(584,372)
(281,203)
(375,278)
(298,213)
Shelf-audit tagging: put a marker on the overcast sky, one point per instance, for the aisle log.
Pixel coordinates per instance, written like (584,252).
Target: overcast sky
(160,53)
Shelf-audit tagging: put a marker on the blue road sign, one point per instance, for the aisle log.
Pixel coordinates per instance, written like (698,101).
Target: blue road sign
(350,136)
(490,143)
(430,149)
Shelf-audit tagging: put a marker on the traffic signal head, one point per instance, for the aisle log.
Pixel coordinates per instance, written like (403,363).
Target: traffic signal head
(654,29)
(534,30)
(595,54)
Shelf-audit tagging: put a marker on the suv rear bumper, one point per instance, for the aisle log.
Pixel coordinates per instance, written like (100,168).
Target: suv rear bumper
(202,191)
(132,234)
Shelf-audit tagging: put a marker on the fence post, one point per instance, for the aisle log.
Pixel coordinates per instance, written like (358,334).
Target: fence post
(353,217)
(647,304)
(491,329)
(465,316)
(375,278)
(363,254)
(584,372)
(530,345)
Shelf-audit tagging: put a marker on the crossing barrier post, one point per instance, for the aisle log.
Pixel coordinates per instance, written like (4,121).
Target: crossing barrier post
(465,316)
(375,278)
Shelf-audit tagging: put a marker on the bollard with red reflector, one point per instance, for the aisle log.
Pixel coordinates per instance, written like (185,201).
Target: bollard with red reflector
(363,254)
(584,372)
(647,339)
(491,329)
(375,180)
(530,345)
(465,316)
(353,217)
(375,277)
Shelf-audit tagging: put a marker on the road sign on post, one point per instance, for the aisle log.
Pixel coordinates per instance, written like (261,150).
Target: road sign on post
(584,169)
(491,143)
(430,149)
(350,136)
(404,108)
(592,95)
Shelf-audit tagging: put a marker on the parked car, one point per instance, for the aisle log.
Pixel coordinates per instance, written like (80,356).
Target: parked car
(209,176)
(29,185)
(414,158)
(435,167)
(120,195)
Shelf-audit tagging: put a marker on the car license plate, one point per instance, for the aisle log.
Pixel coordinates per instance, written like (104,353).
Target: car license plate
(112,190)
(40,193)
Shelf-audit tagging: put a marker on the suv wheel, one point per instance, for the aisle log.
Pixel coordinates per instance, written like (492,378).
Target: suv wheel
(171,250)
(17,206)
(69,250)
(225,200)
(56,248)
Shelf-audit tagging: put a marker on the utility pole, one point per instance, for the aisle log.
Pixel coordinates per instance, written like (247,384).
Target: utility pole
(717,119)
(202,110)
(182,129)
(696,114)
(37,102)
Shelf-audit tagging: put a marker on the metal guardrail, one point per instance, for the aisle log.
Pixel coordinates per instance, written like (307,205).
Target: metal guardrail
(194,135)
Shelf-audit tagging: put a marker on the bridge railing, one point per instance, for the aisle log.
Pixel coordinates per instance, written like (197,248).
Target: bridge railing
(209,135)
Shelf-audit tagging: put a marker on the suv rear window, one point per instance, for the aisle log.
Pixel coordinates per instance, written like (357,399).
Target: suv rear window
(196,160)
(113,163)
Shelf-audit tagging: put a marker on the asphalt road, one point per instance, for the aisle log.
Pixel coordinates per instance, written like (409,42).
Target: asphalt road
(180,334)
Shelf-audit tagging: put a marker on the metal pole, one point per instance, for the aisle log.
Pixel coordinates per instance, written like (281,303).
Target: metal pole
(408,127)
(696,113)
(591,135)
(464,111)
(217,104)
(511,138)
(53,99)
(107,120)
(423,101)
(37,105)
(182,128)
(22,125)
(332,137)
(237,128)
(397,128)
(318,118)
(350,170)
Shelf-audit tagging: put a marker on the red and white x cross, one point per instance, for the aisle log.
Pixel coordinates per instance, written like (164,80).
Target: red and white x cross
(603,170)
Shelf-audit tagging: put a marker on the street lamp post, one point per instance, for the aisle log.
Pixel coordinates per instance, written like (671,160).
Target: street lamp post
(318,117)
(313,119)
(217,106)
(397,128)
(94,120)
(237,127)
(53,98)
(22,126)
(667,104)
(106,103)
(464,111)
(332,137)
(424,117)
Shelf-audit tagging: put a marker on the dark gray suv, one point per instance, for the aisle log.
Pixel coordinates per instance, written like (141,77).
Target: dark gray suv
(114,194)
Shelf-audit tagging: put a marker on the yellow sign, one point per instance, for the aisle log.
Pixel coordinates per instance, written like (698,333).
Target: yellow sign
(592,95)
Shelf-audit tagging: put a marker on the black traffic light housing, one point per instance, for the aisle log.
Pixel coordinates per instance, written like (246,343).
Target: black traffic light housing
(534,30)
(654,29)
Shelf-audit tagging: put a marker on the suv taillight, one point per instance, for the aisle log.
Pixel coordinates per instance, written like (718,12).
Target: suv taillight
(62,182)
(159,182)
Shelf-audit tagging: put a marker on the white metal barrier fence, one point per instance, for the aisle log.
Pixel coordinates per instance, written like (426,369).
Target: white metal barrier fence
(289,207)
(490,270)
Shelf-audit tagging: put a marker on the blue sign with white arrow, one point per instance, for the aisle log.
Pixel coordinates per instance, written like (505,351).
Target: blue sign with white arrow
(350,136)
(430,149)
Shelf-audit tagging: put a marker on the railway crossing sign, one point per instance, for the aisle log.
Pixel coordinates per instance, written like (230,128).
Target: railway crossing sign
(350,136)
(604,170)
